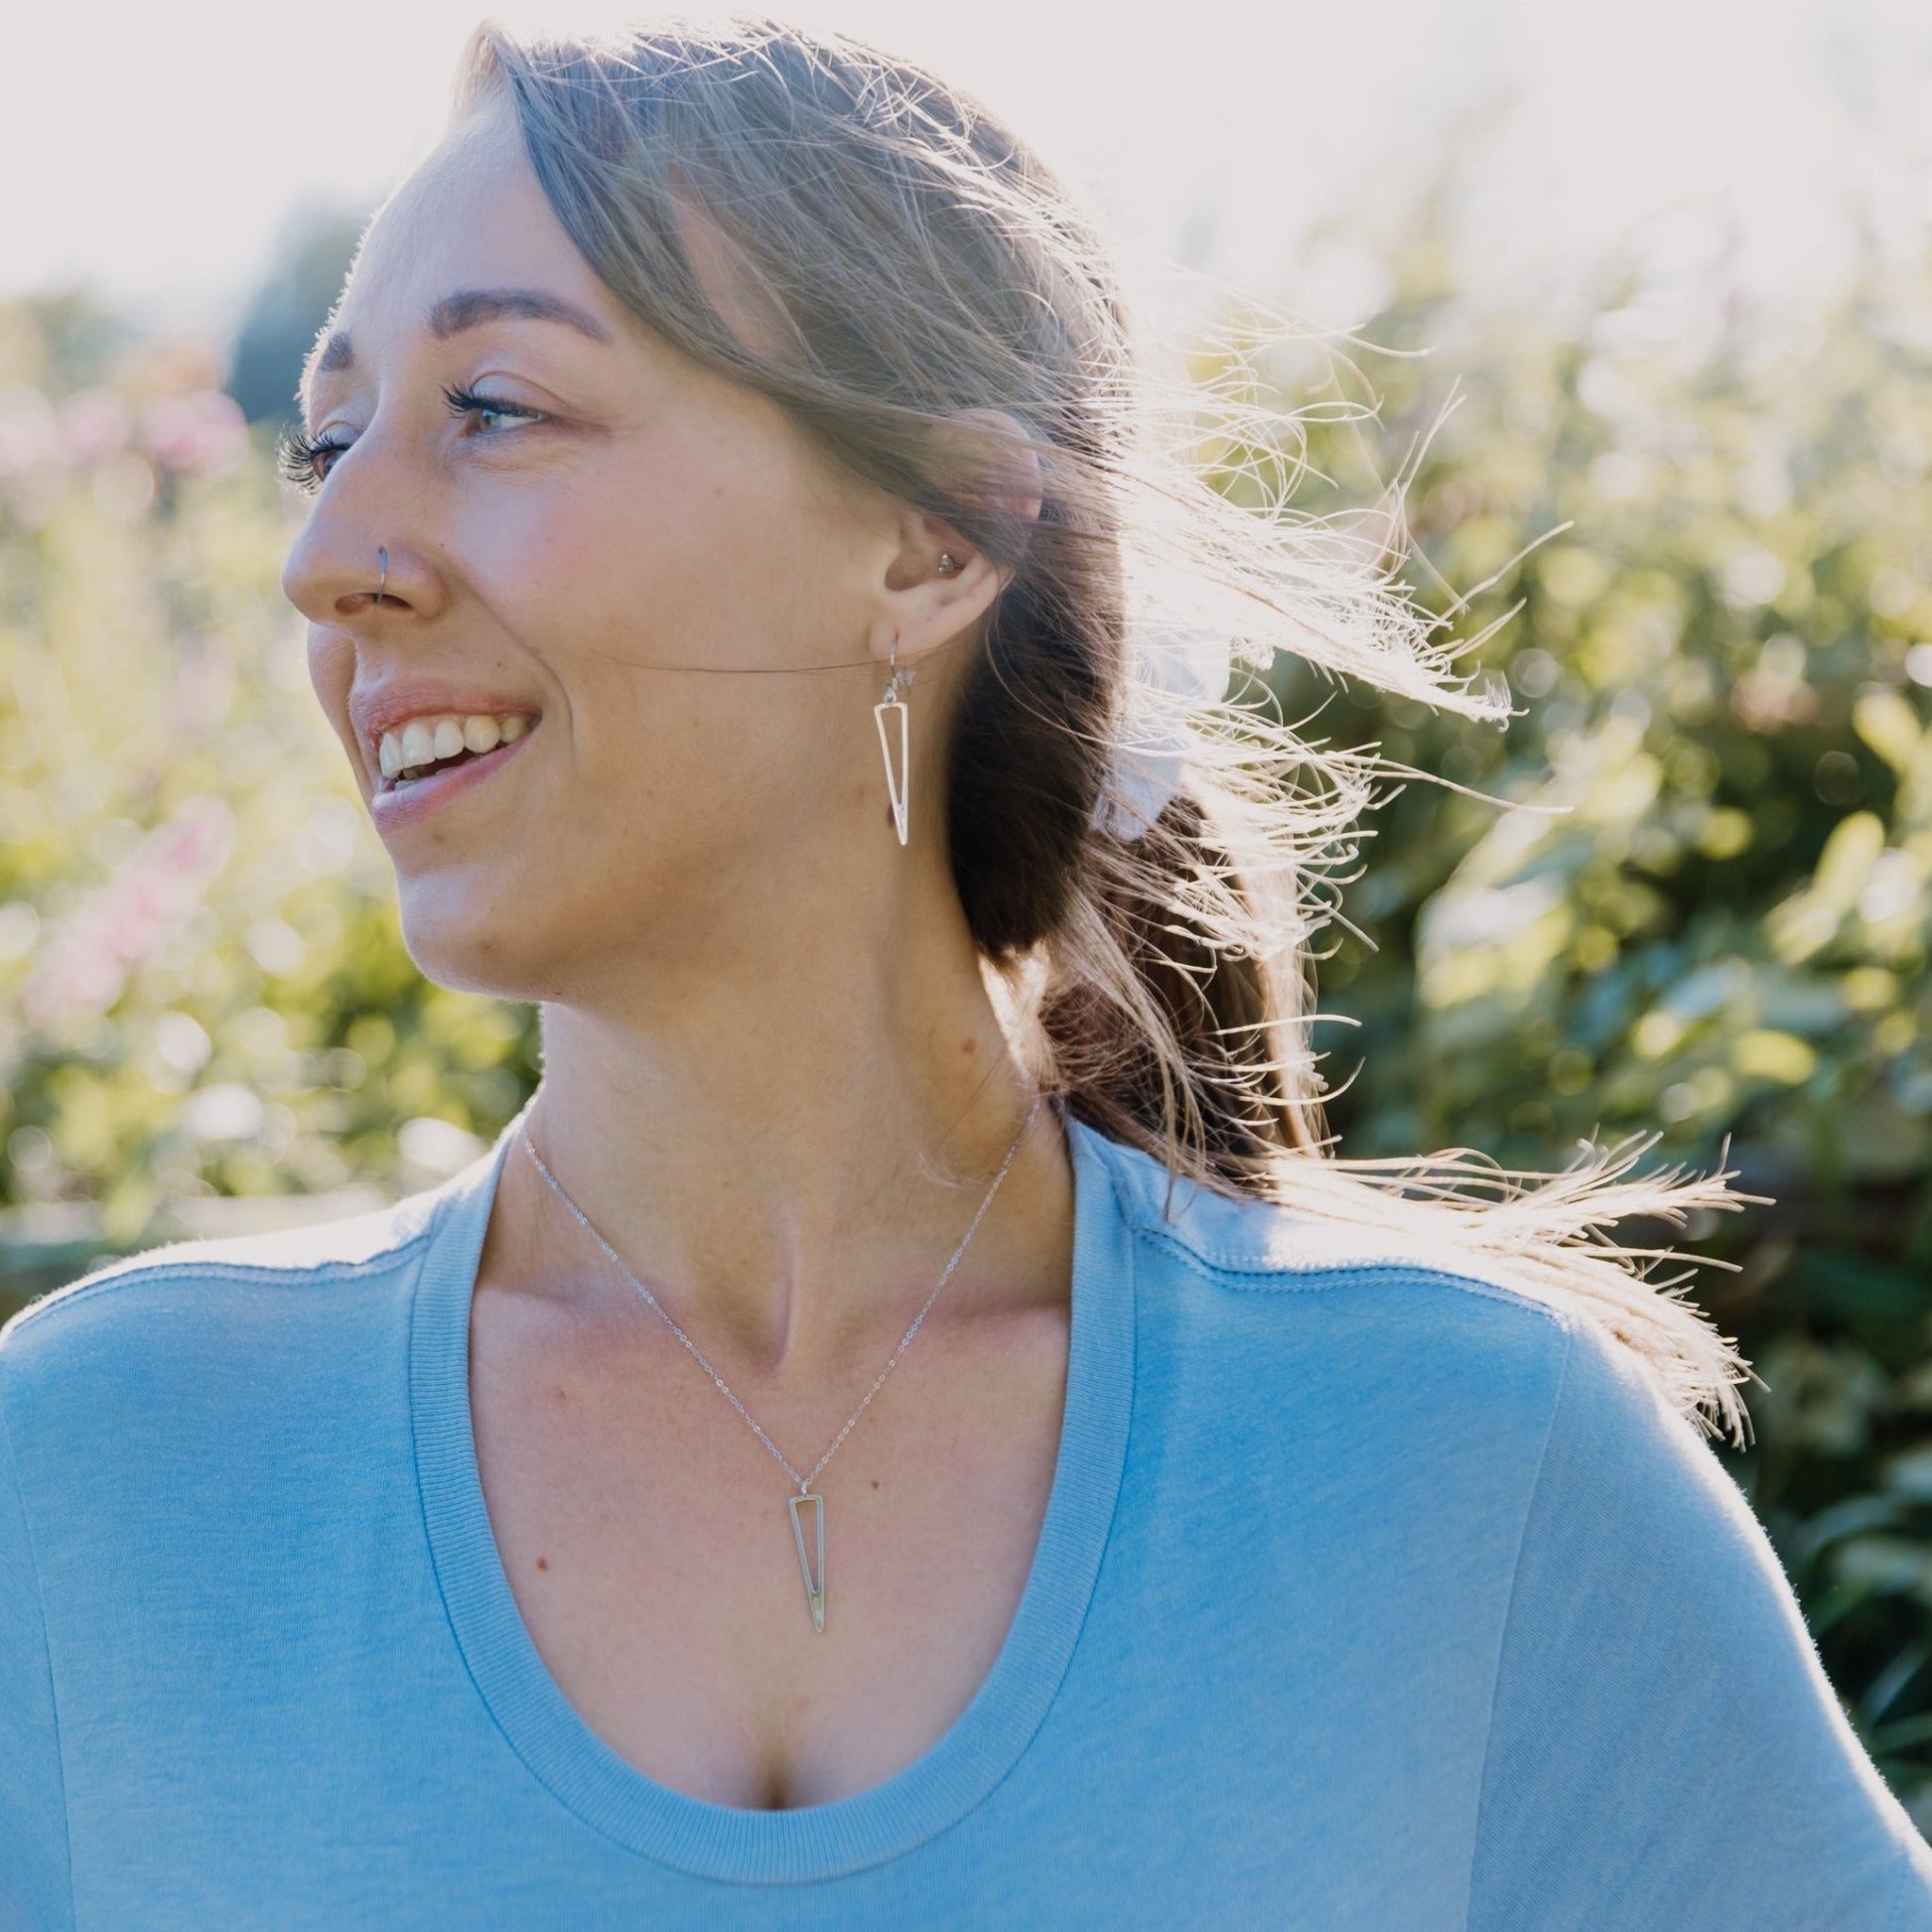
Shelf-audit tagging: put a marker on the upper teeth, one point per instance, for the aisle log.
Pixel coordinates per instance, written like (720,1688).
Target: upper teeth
(424,740)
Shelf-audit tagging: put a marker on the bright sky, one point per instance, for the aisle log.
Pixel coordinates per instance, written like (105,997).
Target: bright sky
(154,151)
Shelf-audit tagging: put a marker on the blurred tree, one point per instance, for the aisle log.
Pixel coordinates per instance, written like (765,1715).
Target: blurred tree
(279,327)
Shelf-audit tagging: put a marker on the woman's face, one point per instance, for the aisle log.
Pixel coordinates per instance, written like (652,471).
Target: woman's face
(612,512)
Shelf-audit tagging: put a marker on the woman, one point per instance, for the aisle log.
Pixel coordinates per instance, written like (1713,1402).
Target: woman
(745,584)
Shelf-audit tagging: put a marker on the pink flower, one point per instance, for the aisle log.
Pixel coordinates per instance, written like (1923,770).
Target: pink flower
(95,424)
(203,433)
(85,966)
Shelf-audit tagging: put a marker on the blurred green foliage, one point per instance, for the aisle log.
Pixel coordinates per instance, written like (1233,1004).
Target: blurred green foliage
(1723,666)
(202,989)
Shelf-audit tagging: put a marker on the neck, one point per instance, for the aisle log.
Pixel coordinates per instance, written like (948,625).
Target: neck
(788,1154)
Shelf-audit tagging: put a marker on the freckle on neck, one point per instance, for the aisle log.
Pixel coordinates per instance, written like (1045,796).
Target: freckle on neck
(969,1045)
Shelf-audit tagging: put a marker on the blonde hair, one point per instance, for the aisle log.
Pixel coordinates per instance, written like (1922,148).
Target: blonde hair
(916,268)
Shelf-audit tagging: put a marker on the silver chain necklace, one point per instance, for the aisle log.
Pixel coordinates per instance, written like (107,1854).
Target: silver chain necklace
(814,1576)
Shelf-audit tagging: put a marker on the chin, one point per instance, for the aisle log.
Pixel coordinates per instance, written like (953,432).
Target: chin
(473,941)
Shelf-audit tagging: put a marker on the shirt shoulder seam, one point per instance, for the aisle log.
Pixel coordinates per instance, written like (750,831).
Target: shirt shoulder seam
(1247,1274)
(162,1270)
(47,1650)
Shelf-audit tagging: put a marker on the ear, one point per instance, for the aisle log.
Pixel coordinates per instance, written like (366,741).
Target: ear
(925,605)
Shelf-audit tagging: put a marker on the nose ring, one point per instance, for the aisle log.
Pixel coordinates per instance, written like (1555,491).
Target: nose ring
(382,552)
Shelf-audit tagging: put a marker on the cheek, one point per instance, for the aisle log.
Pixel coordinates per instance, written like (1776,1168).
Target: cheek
(698,544)
(637,582)
(332,669)
(603,570)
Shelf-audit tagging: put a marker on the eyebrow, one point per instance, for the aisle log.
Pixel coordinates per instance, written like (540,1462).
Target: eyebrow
(469,308)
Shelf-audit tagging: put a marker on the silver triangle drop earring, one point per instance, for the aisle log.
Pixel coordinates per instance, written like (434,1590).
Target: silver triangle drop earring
(896,786)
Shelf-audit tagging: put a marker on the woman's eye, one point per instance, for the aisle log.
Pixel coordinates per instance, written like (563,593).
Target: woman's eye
(467,402)
(306,459)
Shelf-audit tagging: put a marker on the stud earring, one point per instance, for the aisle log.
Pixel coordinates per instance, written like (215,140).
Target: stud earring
(947,563)
(896,787)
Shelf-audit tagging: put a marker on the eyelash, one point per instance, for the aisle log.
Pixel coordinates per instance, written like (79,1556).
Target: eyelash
(299,457)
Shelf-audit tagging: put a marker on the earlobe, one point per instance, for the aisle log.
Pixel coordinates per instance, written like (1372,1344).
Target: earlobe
(937,586)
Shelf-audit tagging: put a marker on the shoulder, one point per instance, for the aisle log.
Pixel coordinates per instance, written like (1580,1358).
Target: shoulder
(196,1305)
(1435,1329)
(1399,1289)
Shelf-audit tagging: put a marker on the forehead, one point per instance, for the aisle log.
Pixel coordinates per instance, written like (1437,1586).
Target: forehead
(471,216)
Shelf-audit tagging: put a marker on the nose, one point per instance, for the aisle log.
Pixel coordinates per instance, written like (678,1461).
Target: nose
(335,569)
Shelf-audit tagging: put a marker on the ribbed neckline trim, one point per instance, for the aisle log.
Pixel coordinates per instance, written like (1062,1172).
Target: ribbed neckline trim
(984,1743)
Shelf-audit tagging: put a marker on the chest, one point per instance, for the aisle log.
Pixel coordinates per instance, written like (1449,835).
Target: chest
(644,1531)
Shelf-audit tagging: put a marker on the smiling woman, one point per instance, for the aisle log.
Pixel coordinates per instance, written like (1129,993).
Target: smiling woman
(774,630)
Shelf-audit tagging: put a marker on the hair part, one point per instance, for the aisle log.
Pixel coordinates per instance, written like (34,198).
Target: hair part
(911,264)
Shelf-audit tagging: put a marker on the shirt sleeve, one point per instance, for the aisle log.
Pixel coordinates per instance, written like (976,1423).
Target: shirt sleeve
(1665,1748)
(35,1894)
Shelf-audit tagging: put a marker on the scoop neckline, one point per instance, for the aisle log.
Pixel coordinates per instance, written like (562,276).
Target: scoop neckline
(960,1769)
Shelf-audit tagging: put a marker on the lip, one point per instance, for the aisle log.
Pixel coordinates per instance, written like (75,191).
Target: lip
(406,805)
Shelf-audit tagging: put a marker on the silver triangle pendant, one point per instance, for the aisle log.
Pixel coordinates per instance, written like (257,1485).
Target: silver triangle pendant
(896,786)
(814,1590)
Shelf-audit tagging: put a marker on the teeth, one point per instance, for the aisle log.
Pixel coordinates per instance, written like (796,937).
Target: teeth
(423,741)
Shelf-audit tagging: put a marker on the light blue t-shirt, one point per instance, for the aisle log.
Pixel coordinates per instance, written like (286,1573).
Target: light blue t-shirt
(1371,1596)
